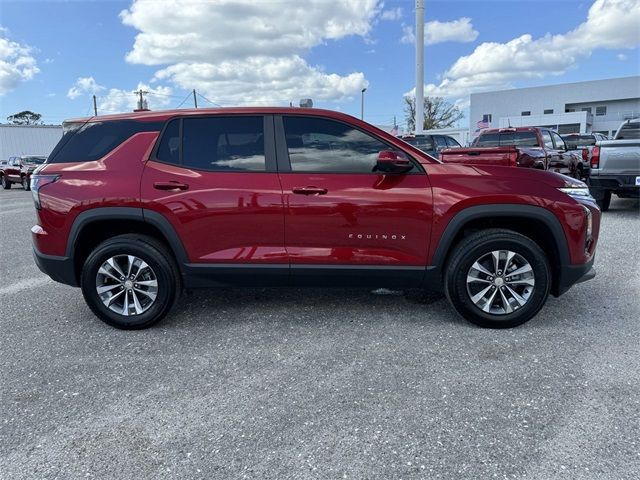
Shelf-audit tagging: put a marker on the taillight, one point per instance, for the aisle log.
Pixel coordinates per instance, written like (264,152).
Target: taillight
(585,154)
(37,182)
(513,159)
(595,157)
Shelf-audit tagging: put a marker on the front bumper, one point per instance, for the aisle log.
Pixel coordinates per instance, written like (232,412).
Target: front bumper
(569,275)
(60,269)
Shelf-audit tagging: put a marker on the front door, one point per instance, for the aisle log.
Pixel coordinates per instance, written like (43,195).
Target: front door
(217,184)
(344,221)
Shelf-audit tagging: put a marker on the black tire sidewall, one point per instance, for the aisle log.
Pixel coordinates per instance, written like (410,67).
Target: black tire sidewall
(457,281)
(161,267)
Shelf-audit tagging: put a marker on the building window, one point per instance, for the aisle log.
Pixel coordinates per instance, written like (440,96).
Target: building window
(548,111)
(526,114)
(569,110)
(586,109)
(486,118)
(600,111)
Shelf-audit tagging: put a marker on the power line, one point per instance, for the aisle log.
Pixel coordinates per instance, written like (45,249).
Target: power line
(205,98)
(185,99)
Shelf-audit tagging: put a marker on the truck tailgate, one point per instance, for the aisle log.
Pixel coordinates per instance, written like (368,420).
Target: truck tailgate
(620,157)
(498,156)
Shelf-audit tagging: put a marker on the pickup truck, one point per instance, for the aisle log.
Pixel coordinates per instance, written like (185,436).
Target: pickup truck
(528,147)
(615,165)
(18,170)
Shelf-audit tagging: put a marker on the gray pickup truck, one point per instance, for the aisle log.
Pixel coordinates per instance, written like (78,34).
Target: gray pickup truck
(615,165)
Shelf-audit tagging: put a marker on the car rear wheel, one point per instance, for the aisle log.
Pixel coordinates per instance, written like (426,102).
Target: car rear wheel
(497,278)
(130,281)
(6,184)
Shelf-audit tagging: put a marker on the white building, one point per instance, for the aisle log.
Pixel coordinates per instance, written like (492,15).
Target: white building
(28,139)
(594,106)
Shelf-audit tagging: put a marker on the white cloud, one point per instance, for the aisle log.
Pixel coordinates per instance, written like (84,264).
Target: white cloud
(460,30)
(83,86)
(246,51)
(117,100)
(492,65)
(622,57)
(16,63)
(392,14)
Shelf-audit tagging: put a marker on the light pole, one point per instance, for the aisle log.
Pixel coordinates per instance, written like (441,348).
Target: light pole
(419,120)
(362,103)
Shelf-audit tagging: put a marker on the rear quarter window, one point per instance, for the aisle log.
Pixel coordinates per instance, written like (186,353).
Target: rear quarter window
(94,140)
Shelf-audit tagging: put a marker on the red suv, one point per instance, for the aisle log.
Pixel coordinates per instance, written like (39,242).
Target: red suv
(134,208)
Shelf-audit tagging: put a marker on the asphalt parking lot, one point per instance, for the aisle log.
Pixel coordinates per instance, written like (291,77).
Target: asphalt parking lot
(295,384)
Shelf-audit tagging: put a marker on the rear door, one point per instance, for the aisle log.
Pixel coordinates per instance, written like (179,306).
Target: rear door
(344,221)
(214,178)
(13,169)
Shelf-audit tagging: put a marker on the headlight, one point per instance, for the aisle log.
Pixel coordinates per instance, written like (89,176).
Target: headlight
(587,212)
(579,193)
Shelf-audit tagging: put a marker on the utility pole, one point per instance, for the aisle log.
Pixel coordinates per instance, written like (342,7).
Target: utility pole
(362,103)
(195,100)
(419,120)
(95,106)
(141,105)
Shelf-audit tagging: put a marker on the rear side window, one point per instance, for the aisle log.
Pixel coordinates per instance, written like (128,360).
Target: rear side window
(94,140)
(223,143)
(169,148)
(440,141)
(423,143)
(451,142)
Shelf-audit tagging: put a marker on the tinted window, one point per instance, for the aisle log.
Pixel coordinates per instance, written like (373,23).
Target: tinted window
(94,140)
(488,140)
(169,148)
(558,141)
(440,141)
(223,143)
(423,143)
(451,142)
(579,140)
(629,130)
(321,145)
(519,139)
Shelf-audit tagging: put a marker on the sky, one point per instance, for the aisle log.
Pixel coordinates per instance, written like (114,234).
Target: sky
(55,55)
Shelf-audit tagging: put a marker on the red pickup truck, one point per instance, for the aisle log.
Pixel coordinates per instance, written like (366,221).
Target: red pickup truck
(529,147)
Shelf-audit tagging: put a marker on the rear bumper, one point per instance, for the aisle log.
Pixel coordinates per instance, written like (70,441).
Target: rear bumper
(60,269)
(569,275)
(623,184)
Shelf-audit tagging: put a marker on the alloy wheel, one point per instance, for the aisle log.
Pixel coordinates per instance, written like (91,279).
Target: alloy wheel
(127,285)
(500,282)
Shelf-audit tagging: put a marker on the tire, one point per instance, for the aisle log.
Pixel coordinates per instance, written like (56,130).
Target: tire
(161,268)
(476,249)
(25,183)
(6,184)
(604,201)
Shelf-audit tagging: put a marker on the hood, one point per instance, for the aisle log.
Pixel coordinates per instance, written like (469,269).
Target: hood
(553,179)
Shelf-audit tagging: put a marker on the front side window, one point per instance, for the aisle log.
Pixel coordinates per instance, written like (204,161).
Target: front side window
(323,145)
(558,141)
(451,142)
(223,143)
(546,137)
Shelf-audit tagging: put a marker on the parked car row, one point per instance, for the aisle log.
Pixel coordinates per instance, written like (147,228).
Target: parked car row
(608,166)
(18,169)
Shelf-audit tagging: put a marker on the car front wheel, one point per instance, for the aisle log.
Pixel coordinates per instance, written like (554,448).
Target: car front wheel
(6,184)
(130,281)
(497,278)
(25,183)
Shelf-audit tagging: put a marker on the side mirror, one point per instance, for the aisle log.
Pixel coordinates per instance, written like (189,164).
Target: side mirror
(390,161)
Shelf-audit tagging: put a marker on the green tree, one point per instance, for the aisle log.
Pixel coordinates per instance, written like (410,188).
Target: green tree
(438,113)
(26,117)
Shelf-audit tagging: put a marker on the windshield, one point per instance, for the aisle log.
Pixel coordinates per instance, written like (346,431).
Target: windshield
(37,160)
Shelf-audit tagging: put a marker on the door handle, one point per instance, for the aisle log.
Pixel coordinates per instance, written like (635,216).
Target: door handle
(309,191)
(172,185)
